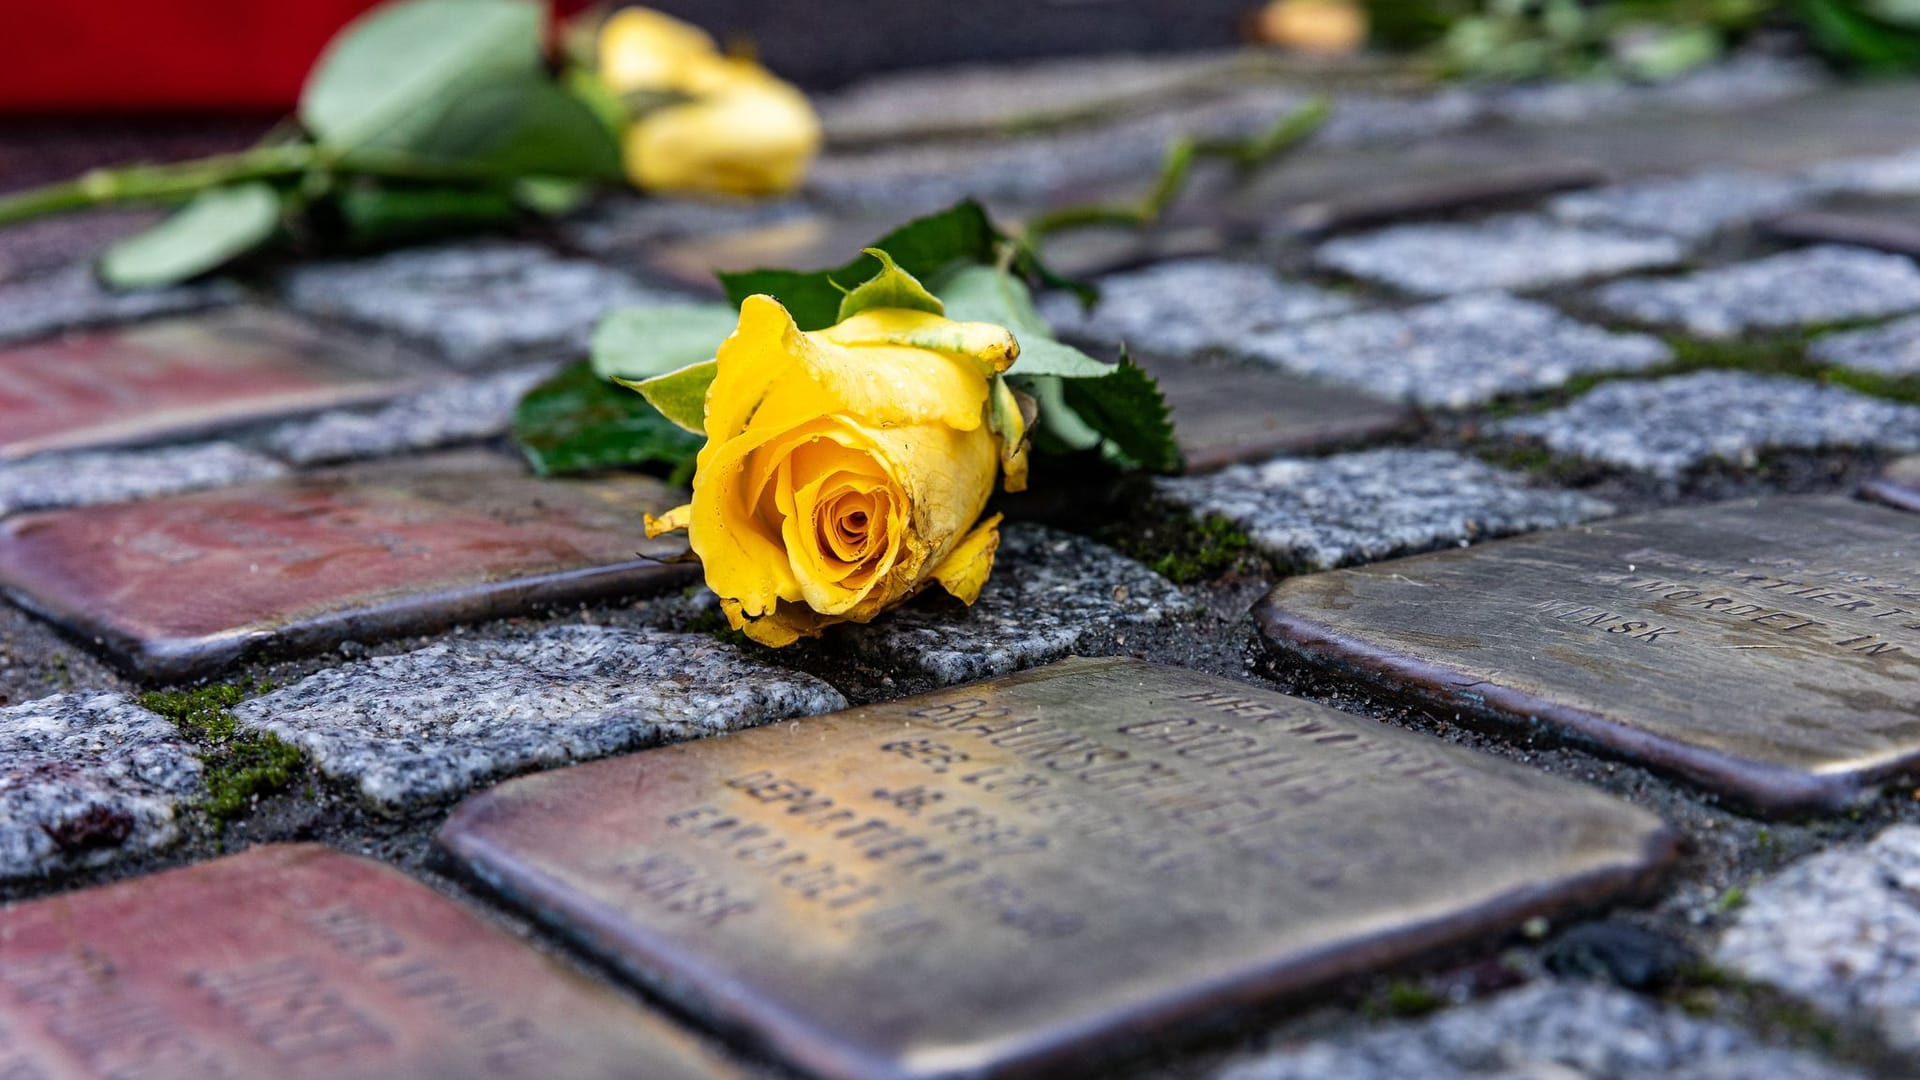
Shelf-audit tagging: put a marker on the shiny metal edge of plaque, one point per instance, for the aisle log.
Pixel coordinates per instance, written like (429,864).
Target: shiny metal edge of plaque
(1015,876)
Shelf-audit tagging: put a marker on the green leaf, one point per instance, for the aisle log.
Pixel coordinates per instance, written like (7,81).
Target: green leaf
(983,294)
(641,342)
(217,226)
(392,73)
(922,247)
(551,196)
(681,396)
(517,126)
(1856,39)
(578,421)
(1126,407)
(892,287)
(387,213)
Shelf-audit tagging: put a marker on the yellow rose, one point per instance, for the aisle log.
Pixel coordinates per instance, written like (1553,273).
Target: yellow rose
(748,134)
(740,131)
(846,469)
(1322,27)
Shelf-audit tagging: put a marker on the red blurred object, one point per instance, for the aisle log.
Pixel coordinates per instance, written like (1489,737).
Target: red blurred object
(155,55)
(72,56)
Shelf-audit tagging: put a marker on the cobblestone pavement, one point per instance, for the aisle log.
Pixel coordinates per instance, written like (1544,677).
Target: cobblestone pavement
(1539,696)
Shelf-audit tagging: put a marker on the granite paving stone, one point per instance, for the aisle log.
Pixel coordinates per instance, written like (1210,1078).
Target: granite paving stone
(1454,353)
(301,962)
(1543,1031)
(1744,82)
(73,298)
(1376,504)
(101,476)
(1051,593)
(1667,427)
(454,411)
(476,302)
(179,376)
(1887,175)
(42,245)
(1189,305)
(434,723)
(87,778)
(186,584)
(1898,484)
(1828,283)
(1690,208)
(1841,929)
(1025,876)
(1513,252)
(1892,349)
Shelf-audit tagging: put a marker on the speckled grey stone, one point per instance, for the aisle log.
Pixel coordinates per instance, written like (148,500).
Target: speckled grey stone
(85,779)
(431,724)
(70,299)
(1544,1031)
(1510,252)
(477,302)
(1893,349)
(1841,929)
(1317,514)
(1890,175)
(1799,288)
(1689,207)
(1454,353)
(103,476)
(1744,82)
(627,225)
(460,410)
(1667,426)
(1190,305)
(1051,593)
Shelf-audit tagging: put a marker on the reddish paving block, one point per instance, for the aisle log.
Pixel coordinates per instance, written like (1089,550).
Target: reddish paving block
(177,376)
(295,961)
(177,586)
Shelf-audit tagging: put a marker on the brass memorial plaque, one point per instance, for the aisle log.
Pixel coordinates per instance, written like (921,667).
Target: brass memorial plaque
(1020,875)
(295,961)
(1766,649)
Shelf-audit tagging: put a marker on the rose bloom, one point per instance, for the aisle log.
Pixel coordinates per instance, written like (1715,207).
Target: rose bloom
(738,131)
(846,469)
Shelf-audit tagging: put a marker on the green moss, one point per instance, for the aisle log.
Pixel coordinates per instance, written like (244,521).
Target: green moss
(240,766)
(1404,999)
(1186,550)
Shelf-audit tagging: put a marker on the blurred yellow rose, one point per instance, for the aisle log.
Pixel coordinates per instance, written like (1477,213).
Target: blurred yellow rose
(727,126)
(846,469)
(1323,27)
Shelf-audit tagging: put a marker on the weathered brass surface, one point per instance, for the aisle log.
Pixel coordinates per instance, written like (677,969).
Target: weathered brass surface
(172,377)
(1898,484)
(1767,649)
(295,961)
(1020,875)
(1224,413)
(178,586)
